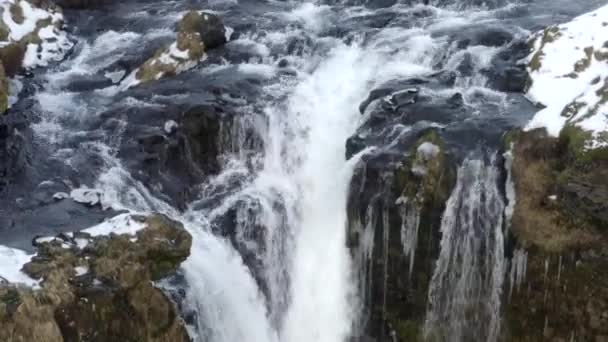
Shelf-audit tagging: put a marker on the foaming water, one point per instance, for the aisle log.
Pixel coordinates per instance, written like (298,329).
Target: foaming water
(326,105)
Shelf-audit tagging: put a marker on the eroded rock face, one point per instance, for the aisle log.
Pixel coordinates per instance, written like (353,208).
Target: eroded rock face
(394,211)
(197,33)
(99,288)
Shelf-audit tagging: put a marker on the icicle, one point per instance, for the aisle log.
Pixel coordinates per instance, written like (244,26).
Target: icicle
(509,190)
(410,224)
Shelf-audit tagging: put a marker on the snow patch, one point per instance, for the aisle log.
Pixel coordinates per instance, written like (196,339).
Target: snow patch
(45,24)
(81,270)
(11,262)
(86,196)
(428,150)
(121,224)
(569,71)
(170,126)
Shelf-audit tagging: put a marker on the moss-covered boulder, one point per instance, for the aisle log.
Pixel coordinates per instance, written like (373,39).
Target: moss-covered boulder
(394,221)
(197,32)
(99,288)
(209,27)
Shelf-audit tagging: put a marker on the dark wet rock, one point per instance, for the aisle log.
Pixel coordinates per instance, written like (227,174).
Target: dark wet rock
(480,35)
(83,4)
(376,4)
(394,212)
(466,67)
(101,292)
(507,73)
(15,151)
(190,153)
(84,83)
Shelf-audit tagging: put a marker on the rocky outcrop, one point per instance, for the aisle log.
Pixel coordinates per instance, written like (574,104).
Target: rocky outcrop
(394,214)
(559,224)
(99,288)
(188,149)
(558,289)
(198,32)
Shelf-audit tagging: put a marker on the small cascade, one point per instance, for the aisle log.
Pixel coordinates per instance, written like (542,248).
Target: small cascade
(466,286)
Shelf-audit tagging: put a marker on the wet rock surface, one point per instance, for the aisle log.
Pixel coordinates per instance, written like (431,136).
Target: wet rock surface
(99,288)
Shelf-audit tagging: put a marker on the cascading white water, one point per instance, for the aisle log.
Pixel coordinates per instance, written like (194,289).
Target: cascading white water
(321,286)
(466,286)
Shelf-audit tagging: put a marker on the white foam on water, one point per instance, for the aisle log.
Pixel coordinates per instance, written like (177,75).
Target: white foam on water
(325,104)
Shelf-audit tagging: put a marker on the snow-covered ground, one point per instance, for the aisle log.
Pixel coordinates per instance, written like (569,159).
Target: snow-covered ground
(569,71)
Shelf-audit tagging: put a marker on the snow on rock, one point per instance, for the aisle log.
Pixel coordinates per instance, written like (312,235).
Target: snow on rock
(568,68)
(198,32)
(121,224)
(170,126)
(86,196)
(37,30)
(428,150)
(11,262)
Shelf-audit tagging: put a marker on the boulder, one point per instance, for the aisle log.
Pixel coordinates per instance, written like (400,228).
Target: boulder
(197,32)
(99,288)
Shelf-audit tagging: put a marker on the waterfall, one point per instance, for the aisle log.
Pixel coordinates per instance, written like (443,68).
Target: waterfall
(466,287)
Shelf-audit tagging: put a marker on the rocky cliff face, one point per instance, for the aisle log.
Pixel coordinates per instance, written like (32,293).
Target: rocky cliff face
(558,274)
(99,288)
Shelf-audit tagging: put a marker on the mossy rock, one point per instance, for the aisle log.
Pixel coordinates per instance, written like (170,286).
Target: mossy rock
(209,26)
(4,90)
(11,57)
(425,180)
(564,295)
(576,142)
(547,213)
(114,300)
